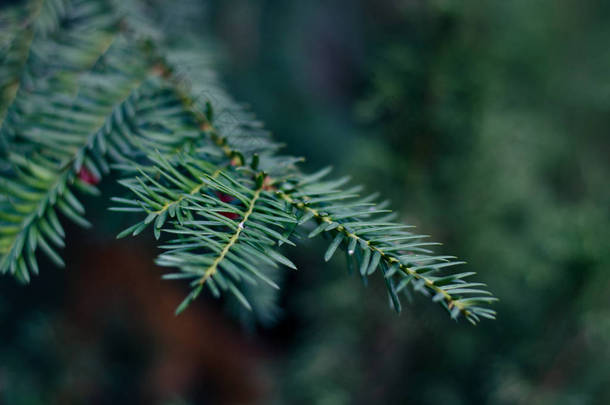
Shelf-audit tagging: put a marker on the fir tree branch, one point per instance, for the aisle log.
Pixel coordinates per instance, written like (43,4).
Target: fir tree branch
(225,250)
(18,50)
(450,290)
(57,157)
(201,171)
(368,232)
(88,36)
(390,259)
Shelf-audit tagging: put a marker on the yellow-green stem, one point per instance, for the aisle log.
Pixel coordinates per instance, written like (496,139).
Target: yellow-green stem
(214,266)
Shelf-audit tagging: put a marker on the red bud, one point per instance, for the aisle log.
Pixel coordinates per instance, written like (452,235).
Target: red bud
(85,175)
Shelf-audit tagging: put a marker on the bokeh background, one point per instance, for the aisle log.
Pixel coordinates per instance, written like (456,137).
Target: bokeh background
(487,123)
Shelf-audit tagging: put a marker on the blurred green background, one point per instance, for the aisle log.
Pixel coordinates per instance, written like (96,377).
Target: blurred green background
(486,123)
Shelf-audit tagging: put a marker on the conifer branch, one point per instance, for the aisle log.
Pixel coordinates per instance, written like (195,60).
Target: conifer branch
(225,250)
(199,168)
(337,229)
(85,29)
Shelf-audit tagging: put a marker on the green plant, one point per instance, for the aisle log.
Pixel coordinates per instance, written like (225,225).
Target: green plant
(92,86)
